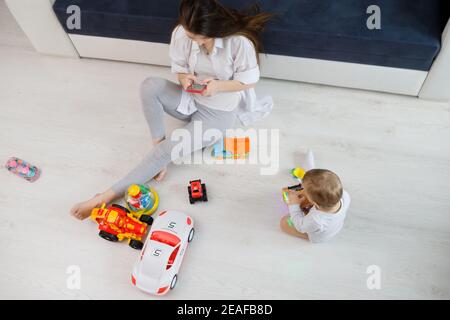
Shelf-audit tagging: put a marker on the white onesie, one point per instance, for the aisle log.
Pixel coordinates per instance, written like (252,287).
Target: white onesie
(320,226)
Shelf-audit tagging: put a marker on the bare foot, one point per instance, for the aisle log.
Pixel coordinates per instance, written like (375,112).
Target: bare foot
(83,209)
(160,176)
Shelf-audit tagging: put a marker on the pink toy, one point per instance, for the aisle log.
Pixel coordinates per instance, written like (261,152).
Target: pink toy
(22,169)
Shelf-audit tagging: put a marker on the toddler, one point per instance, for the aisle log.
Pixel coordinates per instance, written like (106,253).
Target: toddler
(317,212)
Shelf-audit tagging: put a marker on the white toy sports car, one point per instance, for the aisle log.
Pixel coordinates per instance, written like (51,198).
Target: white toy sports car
(157,267)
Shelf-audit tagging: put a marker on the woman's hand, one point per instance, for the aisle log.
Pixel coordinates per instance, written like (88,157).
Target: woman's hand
(215,86)
(186,79)
(212,87)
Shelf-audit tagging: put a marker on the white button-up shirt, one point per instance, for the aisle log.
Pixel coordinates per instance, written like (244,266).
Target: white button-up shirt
(233,58)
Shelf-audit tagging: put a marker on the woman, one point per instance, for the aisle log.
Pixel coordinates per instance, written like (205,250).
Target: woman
(212,45)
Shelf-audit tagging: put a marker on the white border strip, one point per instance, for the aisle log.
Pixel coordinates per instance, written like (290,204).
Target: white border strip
(335,73)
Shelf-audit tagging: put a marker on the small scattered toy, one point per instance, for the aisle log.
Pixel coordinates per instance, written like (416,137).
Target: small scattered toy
(23,169)
(156,269)
(231,148)
(117,223)
(196,88)
(296,187)
(305,205)
(197,191)
(298,173)
(141,199)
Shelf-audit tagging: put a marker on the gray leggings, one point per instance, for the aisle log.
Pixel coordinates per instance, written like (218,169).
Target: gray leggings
(159,96)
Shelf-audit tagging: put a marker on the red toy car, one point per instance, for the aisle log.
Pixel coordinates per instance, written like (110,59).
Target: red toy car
(197,191)
(117,223)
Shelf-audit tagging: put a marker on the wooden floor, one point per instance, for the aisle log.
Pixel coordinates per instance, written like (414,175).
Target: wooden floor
(81,122)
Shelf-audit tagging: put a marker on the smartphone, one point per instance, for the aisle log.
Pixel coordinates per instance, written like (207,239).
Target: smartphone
(196,88)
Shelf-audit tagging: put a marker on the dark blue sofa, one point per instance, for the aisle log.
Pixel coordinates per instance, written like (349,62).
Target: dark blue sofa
(327,29)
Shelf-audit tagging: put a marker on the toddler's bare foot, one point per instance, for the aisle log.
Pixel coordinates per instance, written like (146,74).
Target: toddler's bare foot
(160,176)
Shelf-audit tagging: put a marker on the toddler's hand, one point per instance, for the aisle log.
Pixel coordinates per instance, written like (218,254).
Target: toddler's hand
(293,196)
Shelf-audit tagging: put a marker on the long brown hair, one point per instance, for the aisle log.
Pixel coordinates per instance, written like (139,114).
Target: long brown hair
(211,19)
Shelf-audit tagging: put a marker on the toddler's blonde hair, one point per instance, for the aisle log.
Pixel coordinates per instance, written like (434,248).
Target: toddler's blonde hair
(323,187)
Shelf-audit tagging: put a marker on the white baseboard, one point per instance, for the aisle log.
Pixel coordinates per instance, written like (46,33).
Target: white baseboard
(343,74)
(121,50)
(335,73)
